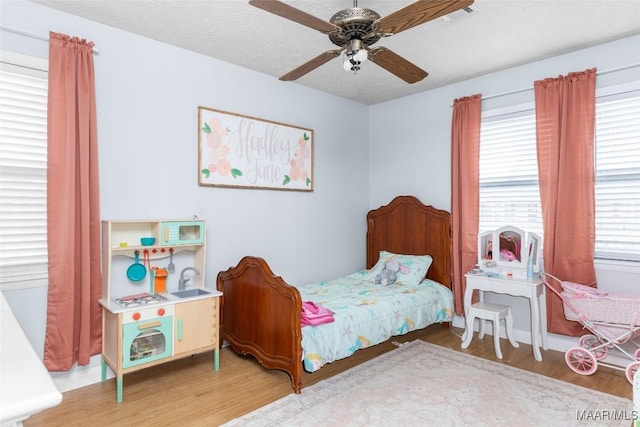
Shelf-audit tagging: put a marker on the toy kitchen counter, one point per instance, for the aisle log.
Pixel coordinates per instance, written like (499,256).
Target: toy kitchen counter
(145,330)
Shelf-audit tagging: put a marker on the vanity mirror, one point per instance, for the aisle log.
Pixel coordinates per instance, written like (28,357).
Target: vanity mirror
(510,241)
(508,250)
(534,251)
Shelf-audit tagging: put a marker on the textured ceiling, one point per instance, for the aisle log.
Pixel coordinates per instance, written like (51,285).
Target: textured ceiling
(499,34)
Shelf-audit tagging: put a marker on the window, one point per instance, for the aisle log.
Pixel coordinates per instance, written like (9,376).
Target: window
(509,178)
(618,176)
(509,193)
(23,171)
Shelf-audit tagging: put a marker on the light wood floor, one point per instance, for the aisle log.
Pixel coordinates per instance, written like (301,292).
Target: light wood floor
(188,392)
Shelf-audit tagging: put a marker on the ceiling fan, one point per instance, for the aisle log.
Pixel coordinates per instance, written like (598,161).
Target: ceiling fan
(355,29)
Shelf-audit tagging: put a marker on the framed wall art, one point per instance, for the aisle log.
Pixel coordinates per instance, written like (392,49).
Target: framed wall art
(246,152)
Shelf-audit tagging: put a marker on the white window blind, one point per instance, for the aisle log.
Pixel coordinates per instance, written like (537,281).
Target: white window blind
(23,173)
(618,176)
(509,190)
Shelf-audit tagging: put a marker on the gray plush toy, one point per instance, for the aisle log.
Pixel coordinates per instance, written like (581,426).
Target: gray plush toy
(389,274)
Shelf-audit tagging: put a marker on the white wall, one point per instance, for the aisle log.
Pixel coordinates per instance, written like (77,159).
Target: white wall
(147,99)
(148,94)
(411,138)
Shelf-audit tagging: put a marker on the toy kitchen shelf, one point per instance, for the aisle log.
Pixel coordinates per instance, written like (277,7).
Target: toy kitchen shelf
(143,324)
(179,241)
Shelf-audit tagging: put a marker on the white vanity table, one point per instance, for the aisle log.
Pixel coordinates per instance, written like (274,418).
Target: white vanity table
(509,260)
(533,289)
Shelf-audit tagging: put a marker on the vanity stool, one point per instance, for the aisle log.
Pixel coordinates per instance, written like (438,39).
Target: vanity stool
(489,311)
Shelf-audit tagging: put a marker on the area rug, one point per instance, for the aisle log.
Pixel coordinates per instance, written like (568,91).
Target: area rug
(421,384)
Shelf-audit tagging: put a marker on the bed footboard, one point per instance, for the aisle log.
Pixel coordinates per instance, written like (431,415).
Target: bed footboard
(260,316)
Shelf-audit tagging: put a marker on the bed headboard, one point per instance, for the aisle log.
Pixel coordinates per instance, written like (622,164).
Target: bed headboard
(406,226)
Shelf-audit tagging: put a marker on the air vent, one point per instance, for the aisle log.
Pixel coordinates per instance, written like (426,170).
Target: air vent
(459,13)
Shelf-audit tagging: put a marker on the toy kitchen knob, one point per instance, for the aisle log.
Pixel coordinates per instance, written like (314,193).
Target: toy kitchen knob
(136,316)
(161,312)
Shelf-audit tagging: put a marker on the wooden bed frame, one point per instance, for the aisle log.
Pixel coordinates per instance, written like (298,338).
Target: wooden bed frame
(260,312)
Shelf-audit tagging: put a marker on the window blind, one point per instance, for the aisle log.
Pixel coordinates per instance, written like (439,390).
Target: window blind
(23,174)
(618,176)
(509,190)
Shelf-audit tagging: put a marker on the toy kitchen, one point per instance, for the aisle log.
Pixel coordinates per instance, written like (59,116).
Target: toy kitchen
(155,305)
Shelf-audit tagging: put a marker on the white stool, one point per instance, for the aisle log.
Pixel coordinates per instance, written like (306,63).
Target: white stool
(488,311)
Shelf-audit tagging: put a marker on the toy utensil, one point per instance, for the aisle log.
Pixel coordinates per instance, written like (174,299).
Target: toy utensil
(136,271)
(171,267)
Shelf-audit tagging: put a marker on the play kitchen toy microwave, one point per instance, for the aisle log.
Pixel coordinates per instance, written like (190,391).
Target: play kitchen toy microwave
(181,232)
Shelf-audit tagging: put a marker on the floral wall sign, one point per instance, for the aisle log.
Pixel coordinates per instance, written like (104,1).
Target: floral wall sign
(242,151)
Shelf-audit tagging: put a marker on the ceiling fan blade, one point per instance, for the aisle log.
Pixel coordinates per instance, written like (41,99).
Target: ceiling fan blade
(418,13)
(284,10)
(397,65)
(311,65)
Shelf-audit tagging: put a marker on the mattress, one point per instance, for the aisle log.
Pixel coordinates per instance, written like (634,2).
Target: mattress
(366,314)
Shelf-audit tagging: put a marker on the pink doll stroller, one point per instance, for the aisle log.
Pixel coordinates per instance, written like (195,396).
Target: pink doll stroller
(612,319)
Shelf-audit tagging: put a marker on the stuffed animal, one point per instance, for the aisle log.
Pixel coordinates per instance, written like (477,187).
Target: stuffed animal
(388,275)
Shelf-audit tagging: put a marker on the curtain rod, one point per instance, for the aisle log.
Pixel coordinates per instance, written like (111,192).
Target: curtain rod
(526,89)
(32,35)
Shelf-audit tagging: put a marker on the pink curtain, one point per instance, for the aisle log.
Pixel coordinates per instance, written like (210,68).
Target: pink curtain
(73,331)
(565,127)
(465,194)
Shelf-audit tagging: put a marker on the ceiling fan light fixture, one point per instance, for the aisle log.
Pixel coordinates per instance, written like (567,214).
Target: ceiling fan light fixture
(353,60)
(354,56)
(361,55)
(350,63)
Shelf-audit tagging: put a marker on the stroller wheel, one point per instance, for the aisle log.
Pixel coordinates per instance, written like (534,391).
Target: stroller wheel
(581,361)
(632,370)
(590,342)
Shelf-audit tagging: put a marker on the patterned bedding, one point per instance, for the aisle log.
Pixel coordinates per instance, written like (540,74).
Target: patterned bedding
(367,314)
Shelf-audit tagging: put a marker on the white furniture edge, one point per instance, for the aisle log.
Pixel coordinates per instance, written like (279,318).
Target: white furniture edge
(26,387)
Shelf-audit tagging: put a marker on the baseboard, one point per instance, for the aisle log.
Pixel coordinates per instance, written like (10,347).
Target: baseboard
(81,376)
(552,341)
(615,359)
